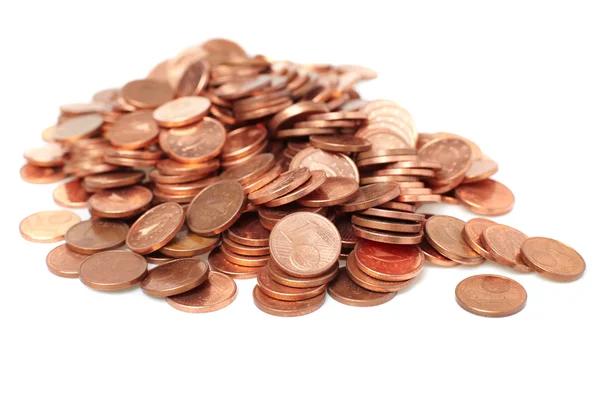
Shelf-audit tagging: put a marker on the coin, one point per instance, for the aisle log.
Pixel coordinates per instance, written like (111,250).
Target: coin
(394,214)
(453,154)
(444,233)
(216,208)
(278,291)
(239,89)
(175,277)
(434,257)
(552,259)
(368,282)
(252,168)
(133,131)
(189,244)
(172,167)
(243,140)
(195,143)
(334,164)
(249,232)
(286,182)
(372,196)
(63,262)
(316,180)
(157,177)
(71,194)
(96,235)
(216,293)
(268,217)
(420,198)
(49,156)
(287,117)
(47,226)
(113,270)
(146,93)
(394,205)
(472,234)
(389,262)
(157,258)
(491,295)
(346,291)
(77,128)
(155,228)
(182,111)
(383,224)
(32,174)
(305,244)
(480,170)
(120,202)
(344,227)
(334,191)
(281,276)
(282,308)
(387,237)
(110,180)
(384,152)
(219,263)
(244,260)
(504,245)
(486,197)
(340,143)
(234,247)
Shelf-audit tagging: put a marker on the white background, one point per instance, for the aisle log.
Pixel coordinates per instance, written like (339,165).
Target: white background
(519,78)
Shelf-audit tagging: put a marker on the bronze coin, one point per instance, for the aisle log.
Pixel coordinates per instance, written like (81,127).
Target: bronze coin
(110,180)
(71,194)
(243,140)
(286,182)
(444,233)
(486,197)
(196,143)
(216,293)
(228,163)
(189,244)
(182,199)
(172,167)
(372,196)
(346,291)
(234,247)
(120,202)
(249,232)
(280,276)
(394,205)
(264,180)
(387,237)
(504,245)
(552,259)
(96,235)
(383,224)
(175,277)
(147,93)
(113,270)
(216,208)
(370,283)
(194,79)
(157,177)
(244,260)
(341,143)
(480,170)
(133,131)
(155,228)
(278,291)
(181,111)
(334,191)
(305,244)
(193,187)
(389,262)
(250,169)
(344,227)
(32,174)
(77,128)
(282,308)
(472,234)
(63,262)
(434,257)
(287,117)
(316,180)
(218,262)
(52,155)
(394,214)
(334,164)
(491,295)
(47,226)
(454,154)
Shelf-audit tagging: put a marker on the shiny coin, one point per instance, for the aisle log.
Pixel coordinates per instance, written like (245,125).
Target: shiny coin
(175,277)
(334,191)
(372,196)
(218,262)
(63,262)
(182,111)
(113,270)
(370,283)
(96,235)
(188,244)
(553,259)
(389,262)
(155,228)
(216,208)
(278,291)
(504,245)
(491,295)
(282,308)
(71,194)
(346,291)
(486,197)
(120,202)
(216,293)
(47,226)
(444,233)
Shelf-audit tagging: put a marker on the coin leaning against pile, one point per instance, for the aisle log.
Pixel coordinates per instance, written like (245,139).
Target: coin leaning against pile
(278,171)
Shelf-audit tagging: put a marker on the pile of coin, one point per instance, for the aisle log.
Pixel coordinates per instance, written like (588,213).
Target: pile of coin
(277,171)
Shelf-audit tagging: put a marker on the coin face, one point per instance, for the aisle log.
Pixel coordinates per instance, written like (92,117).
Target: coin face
(182,111)
(95,235)
(47,226)
(195,143)
(133,131)
(216,293)
(389,262)
(155,228)
(504,244)
(372,196)
(147,93)
(453,154)
(276,290)
(243,140)
(552,258)
(33,174)
(444,233)
(113,270)
(472,234)
(63,262)
(334,164)
(77,128)
(486,197)
(175,277)
(120,202)
(284,184)
(334,191)
(305,244)
(250,169)
(491,295)
(216,208)
(188,244)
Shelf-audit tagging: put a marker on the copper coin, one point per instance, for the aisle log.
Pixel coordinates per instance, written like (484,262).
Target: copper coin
(234,247)
(279,275)
(252,168)
(71,194)
(282,308)
(387,160)
(78,128)
(394,205)
(32,174)
(370,283)
(264,180)
(49,156)
(480,170)
(305,244)
(157,258)
(344,227)
(383,152)
(552,259)
(394,214)
(95,235)
(216,208)
(383,224)
(194,79)
(453,154)
(175,277)
(338,116)
(444,233)
(129,162)
(133,131)
(249,232)
(367,180)
(229,163)
(182,111)
(287,182)
(334,164)
(420,198)
(491,295)
(113,270)
(268,217)
(182,199)
(47,226)
(472,234)
(434,257)
(216,293)
(334,191)
(387,237)
(157,177)
(218,262)
(486,197)
(189,244)
(504,245)
(63,262)
(120,202)
(317,179)
(389,262)
(172,167)
(304,132)
(195,143)
(155,228)
(340,143)
(278,291)
(346,291)
(186,188)
(243,140)
(286,118)
(372,196)
(239,89)
(244,260)
(110,180)
(146,93)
